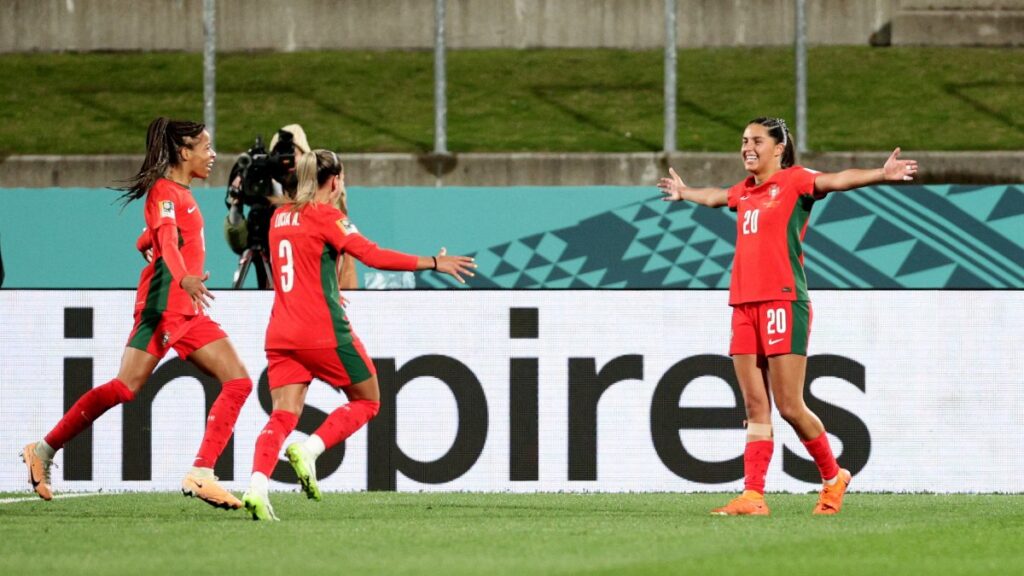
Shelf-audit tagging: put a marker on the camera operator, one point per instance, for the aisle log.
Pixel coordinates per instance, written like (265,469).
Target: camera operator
(235,229)
(256,177)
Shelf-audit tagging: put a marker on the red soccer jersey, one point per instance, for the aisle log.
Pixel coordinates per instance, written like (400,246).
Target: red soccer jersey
(770,226)
(305,246)
(171,204)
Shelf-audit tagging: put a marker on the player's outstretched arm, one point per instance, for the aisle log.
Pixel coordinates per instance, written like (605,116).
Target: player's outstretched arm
(454,266)
(370,254)
(895,170)
(676,190)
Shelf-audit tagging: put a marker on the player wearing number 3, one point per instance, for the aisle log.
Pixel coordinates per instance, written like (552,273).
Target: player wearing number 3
(771,321)
(309,334)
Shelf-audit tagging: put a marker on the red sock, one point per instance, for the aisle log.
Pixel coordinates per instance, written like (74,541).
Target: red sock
(89,407)
(756,457)
(221,421)
(344,421)
(268,444)
(822,454)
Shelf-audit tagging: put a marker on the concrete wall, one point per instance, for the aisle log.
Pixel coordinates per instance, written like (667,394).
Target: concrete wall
(87,25)
(959,22)
(638,169)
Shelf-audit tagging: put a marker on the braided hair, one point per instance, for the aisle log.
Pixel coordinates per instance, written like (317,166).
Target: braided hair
(164,139)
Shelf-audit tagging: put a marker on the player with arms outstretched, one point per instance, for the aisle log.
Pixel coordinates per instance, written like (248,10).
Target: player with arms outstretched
(309,335)
(771,320)
(170,312)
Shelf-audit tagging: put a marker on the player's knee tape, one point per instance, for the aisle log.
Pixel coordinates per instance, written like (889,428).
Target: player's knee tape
(758,429)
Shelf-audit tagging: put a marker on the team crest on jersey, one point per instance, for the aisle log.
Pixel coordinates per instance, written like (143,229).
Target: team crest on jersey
(347,227)
(773,194)
(167,209)
(165,339)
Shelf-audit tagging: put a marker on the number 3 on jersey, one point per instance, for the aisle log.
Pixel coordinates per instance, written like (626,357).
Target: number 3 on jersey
(750,221)
(284,252)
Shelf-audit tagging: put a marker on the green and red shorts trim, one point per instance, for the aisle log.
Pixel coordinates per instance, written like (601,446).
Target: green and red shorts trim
(157,331)
(347,364)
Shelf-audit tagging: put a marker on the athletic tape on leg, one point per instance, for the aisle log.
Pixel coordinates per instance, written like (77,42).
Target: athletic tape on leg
(758,429)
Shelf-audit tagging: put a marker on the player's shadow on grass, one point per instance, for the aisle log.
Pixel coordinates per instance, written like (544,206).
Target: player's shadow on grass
(959,91)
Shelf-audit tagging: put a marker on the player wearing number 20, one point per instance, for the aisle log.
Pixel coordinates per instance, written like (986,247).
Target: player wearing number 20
(771,321)
(309,334)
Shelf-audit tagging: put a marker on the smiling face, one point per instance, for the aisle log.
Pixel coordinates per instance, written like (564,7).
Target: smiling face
(199,157)
(762,154)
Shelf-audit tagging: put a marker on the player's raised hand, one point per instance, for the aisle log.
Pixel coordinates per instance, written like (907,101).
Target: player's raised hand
(194,287)
(673,187)
(897,169)
(456,266)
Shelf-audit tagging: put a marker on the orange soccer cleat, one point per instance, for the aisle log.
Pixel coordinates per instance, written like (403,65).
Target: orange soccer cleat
(209,491)
(831,498)
(38,471)
(749,503)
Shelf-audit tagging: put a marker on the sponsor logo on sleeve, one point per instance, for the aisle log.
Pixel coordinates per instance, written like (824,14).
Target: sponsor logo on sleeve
(347,227)
(167,209)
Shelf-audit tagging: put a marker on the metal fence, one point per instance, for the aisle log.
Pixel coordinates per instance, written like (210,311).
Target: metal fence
(440,77)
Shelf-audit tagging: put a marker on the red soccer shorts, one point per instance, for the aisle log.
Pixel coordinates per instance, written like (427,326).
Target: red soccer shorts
(157,332)
(771,328)
(341,366)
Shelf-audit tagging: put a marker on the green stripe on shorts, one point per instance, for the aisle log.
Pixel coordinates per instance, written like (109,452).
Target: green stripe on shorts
(354,365)
(801,313)
(148,321)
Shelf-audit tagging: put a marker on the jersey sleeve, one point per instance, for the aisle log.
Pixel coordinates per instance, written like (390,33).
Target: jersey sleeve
(333,226)
(734,194)
(341,234)
(161,203)
(803,181)
(167,240)
(144,241)
(372,255)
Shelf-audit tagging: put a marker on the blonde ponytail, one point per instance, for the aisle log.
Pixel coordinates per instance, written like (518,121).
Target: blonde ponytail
(313,170)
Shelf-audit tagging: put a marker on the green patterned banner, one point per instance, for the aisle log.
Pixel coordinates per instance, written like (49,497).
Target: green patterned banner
(936,237)
(879,237)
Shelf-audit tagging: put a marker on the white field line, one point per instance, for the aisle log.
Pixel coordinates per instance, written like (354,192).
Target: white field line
(37,499)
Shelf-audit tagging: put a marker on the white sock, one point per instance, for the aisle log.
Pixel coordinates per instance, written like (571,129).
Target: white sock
(258,483)
(314,445)
(44,450)
(832,481)
(201,472)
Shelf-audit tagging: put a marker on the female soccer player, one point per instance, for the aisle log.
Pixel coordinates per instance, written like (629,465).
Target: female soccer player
(170,312)
(309,334)
(771,320)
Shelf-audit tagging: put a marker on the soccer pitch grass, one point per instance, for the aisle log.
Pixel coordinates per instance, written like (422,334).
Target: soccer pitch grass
(461,533)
